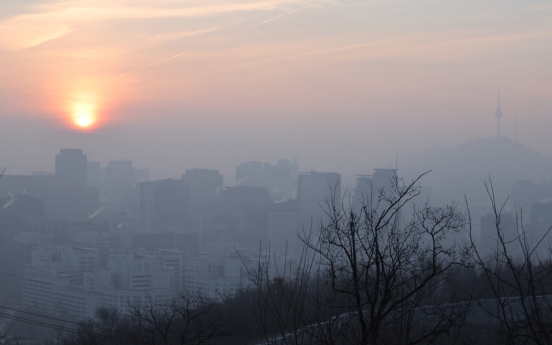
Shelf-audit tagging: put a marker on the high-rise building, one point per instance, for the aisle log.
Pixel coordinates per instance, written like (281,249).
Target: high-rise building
(250,174)
(71,167)
(119,174)
(369,187)
(164,205)
(282,228)
(93,174)
(119,187)
(280,179)
(315,192)
(71,199)
(205,186)
(71,280)
(216,275)
(204,183)
(186,243)
(66,195)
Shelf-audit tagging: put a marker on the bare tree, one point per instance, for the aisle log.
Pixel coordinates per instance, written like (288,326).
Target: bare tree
(291,305)
(371,276)
(388,269)
(107,328)
(190,318)
(517,282)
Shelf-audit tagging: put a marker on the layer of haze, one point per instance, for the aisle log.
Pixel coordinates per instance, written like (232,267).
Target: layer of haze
(341,85)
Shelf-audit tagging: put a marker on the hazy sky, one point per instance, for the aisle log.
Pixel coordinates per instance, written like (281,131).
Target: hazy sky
(341,85)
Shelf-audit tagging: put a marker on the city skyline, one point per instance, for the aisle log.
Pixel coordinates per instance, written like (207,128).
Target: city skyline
(275,171)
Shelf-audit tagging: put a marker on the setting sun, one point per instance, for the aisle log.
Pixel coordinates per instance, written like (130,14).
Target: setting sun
(83,111)
(83,116)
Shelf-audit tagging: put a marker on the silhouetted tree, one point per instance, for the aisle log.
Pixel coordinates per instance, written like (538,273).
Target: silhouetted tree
(290,305)
(189,319)
(371,276)
(390,265)
(518,283)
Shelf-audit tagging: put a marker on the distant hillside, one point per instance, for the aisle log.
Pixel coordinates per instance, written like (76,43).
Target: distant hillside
(494,156)
(461,170)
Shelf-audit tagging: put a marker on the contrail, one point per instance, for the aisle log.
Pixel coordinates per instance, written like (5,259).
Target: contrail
(278,16)
(160,61)
(264,22)
(146,66)
(207,45)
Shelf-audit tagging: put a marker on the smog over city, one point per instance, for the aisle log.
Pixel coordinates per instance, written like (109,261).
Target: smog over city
(275,172)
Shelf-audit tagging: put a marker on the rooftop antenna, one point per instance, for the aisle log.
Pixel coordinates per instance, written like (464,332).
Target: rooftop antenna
(498,114)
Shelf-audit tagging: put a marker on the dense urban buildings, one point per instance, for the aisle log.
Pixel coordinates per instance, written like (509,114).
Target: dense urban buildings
(87,236)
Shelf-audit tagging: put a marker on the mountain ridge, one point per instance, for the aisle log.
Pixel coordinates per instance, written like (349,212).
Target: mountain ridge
(482,156)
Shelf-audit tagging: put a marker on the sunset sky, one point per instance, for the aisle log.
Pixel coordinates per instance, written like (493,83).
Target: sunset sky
(341,85)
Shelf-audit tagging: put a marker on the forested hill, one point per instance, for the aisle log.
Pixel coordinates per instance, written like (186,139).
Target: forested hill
(460,170)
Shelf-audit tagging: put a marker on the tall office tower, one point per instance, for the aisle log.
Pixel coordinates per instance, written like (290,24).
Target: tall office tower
(24,205)
(141,175)
(71,168)
(250,174)
(119,179)
(240,217)
(280,179)
(282,227)
(369,187)
(71,199)
(498,114)
(164,205)
(204,183)
(315,190)
(119,173)
(205,186)
(238,200)
(93,174)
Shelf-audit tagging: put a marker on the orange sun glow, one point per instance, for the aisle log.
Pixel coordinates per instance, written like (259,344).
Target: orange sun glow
(83,116)
(83,112)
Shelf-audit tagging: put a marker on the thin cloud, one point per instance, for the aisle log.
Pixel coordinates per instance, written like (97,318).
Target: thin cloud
(279,16)
(265,21)
(146,66)
(52,21)
(173,36)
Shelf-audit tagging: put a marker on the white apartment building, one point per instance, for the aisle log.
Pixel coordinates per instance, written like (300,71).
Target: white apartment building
(215,276)
(69,279)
